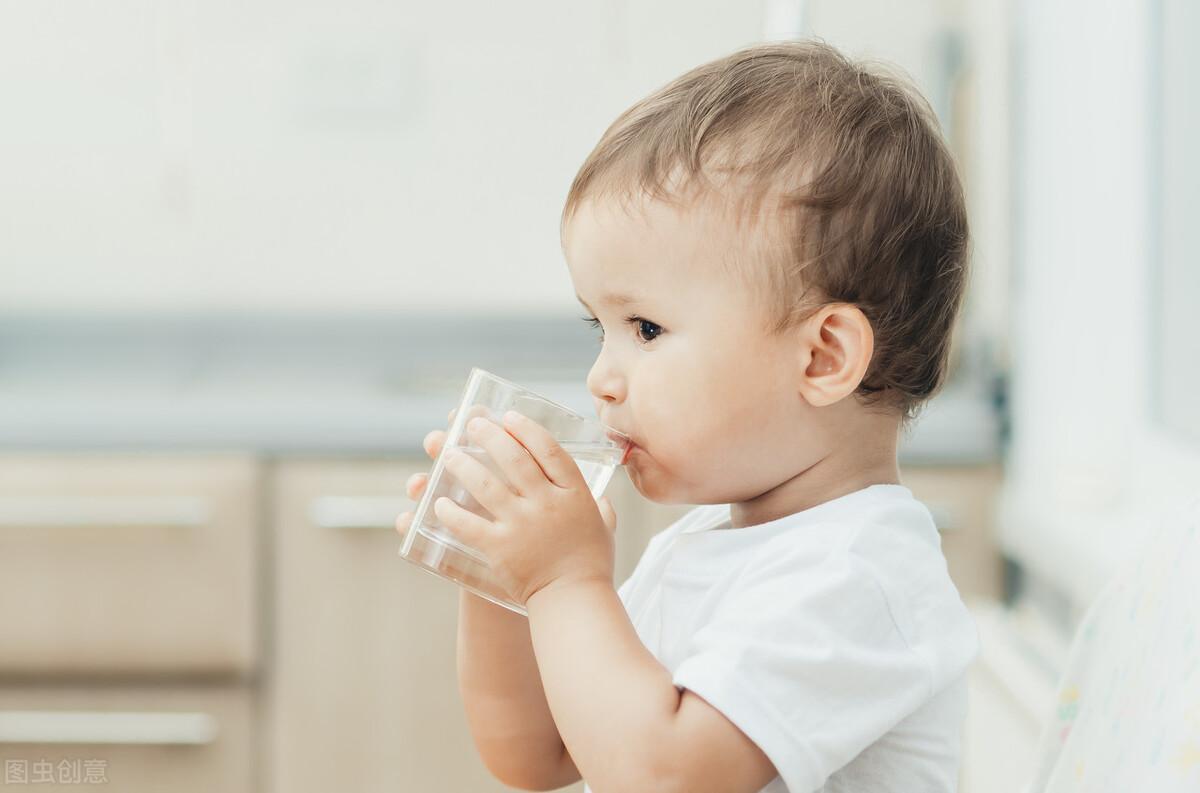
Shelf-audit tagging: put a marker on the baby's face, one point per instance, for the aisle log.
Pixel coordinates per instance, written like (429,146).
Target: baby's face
(692,376)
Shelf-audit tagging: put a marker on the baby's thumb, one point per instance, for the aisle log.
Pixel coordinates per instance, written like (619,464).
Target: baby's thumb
(608,513)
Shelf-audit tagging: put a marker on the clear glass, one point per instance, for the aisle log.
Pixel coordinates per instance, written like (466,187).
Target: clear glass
(429,544)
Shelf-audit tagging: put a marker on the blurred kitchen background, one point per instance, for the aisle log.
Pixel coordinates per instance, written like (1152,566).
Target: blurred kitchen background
(249,252)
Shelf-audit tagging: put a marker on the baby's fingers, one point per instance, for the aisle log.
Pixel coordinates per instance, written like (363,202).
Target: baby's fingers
(433,443)
(415,485)
(436,439)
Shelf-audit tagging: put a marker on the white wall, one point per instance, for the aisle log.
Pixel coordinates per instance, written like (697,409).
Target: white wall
(357,155)
(1091,469)
(180,155)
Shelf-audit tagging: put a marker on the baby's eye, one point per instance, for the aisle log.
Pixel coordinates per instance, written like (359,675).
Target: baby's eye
(643,324)
(644,328)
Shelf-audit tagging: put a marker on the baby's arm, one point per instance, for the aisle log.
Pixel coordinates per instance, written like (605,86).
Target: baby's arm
(504,699)
(626,726)
(572,687)
(498,680)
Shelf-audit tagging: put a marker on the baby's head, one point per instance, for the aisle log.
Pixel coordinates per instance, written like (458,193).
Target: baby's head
(792,232)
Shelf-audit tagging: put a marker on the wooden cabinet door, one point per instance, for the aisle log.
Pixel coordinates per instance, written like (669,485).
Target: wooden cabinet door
(962,500)
(128,565)
(362,693)
(135,738)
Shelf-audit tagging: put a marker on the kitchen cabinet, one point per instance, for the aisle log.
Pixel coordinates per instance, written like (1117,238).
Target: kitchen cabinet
(125,565)
(137,738)
(962,499)
(242,622)
(129,620)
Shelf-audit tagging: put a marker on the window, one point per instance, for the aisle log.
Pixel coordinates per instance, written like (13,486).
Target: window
(1175,234)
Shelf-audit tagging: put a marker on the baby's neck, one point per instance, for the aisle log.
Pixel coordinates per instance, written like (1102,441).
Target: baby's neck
(859,458)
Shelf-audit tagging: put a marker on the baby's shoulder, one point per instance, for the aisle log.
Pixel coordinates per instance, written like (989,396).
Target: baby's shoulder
(884,533)
(889,556)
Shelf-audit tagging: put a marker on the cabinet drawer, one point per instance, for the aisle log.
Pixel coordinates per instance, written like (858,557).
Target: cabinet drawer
(198,738)
(127,565)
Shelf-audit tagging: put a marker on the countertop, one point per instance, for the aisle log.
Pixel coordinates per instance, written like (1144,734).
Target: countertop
(346,385)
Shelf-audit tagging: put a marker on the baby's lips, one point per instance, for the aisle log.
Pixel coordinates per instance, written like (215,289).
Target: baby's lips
(621,440)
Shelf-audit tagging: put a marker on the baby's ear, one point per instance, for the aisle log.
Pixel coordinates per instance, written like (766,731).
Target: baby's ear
(835,350)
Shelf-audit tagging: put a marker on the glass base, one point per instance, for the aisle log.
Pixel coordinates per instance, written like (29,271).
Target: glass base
(447,560)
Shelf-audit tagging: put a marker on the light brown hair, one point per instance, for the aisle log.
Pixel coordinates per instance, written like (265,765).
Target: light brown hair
(868,197)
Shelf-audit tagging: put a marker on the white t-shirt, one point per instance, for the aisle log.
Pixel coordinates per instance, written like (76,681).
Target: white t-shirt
(832,637)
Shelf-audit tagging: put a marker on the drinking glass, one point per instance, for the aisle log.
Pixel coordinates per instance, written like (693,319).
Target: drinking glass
(432,546)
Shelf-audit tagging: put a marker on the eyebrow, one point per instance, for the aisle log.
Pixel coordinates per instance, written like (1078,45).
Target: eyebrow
(614,299)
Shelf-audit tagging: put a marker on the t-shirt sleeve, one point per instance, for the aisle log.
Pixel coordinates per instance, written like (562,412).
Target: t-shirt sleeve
(807,661)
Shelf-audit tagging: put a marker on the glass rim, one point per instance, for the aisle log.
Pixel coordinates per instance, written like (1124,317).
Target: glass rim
(612,434)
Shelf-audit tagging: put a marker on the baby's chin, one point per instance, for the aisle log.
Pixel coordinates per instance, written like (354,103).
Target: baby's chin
(648,479)
(656,484)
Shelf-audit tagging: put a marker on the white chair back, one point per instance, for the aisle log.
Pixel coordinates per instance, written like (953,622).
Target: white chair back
(1128,712)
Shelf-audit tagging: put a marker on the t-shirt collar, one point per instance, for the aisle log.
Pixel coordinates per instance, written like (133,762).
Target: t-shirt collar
(718,516)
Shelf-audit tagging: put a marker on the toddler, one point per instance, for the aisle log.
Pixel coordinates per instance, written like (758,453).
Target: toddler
(774,248)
